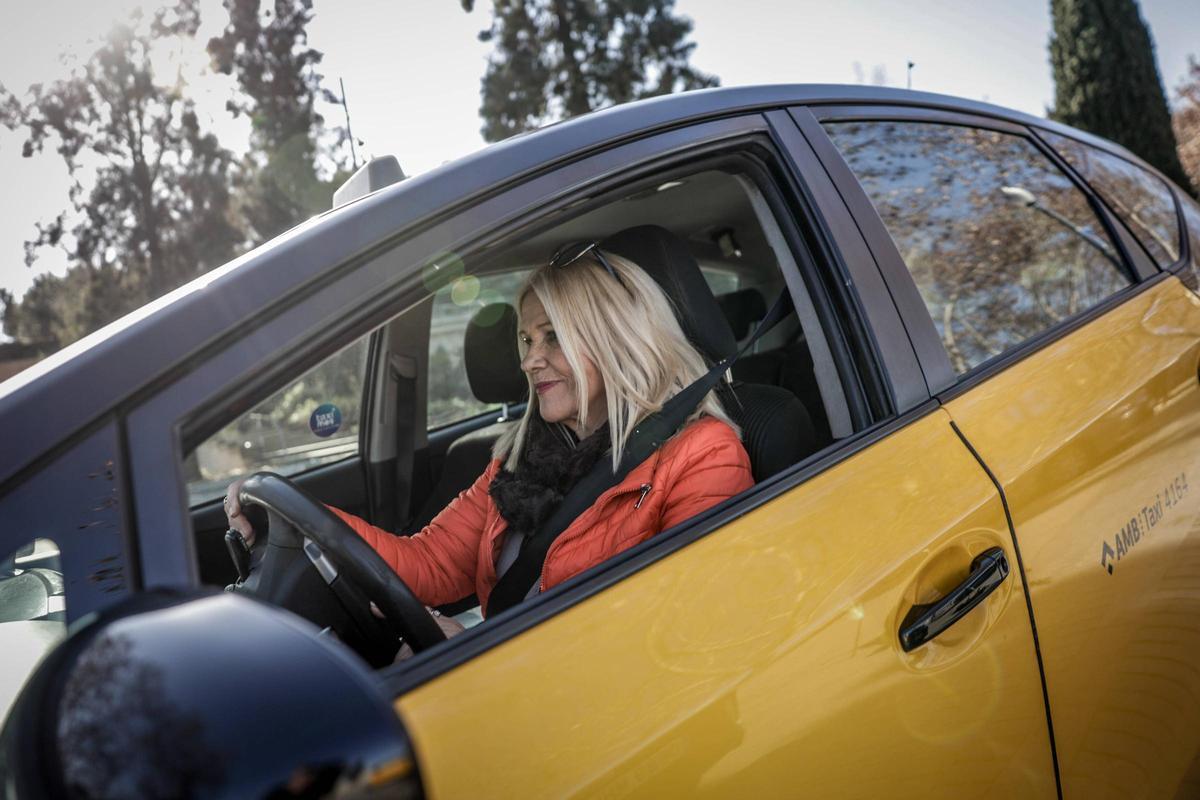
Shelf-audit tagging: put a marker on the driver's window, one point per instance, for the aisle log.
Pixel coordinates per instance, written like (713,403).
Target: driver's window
(737,245)
(314,420)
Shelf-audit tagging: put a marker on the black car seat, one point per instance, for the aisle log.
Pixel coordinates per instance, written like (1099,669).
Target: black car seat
(789,366)
(493,366)
(776,428)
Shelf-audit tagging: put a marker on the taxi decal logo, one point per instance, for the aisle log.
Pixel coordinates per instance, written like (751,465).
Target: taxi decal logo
(1142,522)
(325,420)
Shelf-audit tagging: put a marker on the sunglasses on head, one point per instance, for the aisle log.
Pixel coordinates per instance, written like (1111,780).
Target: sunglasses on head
(568,254)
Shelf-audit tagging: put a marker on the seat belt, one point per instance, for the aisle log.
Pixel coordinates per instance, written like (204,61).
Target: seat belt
(646,438)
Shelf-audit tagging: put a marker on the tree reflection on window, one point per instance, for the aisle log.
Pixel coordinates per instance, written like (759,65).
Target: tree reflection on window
(1000,243)
(1138,197)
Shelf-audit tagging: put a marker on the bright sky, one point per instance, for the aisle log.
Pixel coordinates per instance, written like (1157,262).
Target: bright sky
(412,69)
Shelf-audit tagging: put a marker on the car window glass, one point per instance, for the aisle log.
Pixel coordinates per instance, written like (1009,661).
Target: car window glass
(32,612)
(1191,217)
(450,397)
(314,420)
(721,281)
(1140,198)
(1001,244)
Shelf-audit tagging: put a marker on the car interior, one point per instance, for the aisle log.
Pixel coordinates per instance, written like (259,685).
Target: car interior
(706,234)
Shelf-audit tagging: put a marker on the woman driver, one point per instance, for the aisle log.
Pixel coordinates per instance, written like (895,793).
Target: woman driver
(602,349)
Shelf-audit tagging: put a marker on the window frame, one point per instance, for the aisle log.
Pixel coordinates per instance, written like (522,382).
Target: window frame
(1144,266)
(355,294)
(935,361)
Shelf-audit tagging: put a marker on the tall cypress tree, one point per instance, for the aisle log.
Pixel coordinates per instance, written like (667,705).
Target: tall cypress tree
(1106,79)
(555,59)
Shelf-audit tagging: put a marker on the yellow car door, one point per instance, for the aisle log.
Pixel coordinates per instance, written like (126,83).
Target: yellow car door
(763,658)
(1073,375)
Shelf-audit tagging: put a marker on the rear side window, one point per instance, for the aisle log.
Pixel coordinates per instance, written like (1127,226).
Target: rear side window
(1138,196)
(1191,219)
(1001,244)
(1191,216)
(454,305)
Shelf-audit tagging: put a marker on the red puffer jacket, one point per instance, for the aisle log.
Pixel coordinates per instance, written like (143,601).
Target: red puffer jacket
(455,554)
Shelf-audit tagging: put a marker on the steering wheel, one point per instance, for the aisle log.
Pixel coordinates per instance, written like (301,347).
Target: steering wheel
(307,545)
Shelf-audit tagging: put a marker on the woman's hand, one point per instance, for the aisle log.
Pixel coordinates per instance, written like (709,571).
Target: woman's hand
(233,512)
(449,626)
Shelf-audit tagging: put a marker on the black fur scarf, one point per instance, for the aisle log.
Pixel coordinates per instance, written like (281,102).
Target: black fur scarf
(549,467)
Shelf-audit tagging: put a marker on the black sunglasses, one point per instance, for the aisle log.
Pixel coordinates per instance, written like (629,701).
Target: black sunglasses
(568,254)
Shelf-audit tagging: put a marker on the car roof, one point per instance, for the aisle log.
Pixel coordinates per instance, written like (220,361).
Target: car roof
(71,390)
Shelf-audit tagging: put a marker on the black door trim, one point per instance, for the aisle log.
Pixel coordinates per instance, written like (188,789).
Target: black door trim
(1037,647)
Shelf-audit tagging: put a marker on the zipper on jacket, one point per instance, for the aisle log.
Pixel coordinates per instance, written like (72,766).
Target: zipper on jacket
(645,487)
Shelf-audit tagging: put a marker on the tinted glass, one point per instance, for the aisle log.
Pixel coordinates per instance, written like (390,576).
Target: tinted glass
(1139,197)
(1191,217)
(1001,244)
(311,421)
(721,281)
(450,397)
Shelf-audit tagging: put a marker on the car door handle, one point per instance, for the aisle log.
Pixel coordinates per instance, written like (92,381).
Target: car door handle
(923,622)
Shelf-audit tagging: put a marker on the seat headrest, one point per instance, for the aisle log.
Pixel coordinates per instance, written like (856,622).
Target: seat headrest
(491,357)
(742,309)
(666,259)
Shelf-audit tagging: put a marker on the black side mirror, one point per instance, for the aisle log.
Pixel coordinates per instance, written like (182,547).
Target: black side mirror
(214,695)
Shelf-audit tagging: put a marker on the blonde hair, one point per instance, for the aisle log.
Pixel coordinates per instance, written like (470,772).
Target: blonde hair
(632,336)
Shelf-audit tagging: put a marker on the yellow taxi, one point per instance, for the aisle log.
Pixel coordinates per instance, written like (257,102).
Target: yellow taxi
(969,565)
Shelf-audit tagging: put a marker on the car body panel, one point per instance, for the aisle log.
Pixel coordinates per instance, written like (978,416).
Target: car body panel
(763,658)
(1093,431)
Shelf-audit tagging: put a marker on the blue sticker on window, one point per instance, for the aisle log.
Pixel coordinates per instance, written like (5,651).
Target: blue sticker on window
(326,420)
